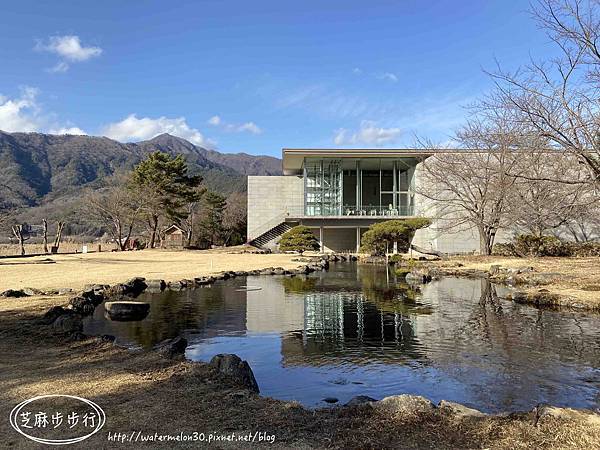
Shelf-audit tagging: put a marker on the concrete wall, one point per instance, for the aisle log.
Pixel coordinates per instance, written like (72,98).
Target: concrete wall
(439,236)
(272,197)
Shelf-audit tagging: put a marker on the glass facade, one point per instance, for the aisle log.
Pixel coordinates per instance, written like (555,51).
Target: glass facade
(322,188)
(359,187)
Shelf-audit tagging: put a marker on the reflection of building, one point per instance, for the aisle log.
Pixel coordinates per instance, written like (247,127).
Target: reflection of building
(346,326)
(334,315)
(270,310)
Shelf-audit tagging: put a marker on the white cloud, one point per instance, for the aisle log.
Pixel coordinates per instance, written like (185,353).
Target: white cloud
(69,49)
(133,128)
(20,114)
(60,67)
(214,121)
(357,71)
(367,134)
(250,127)
(389,76)
(67,130)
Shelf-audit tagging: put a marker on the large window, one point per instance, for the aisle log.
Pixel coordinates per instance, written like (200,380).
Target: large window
(365,187)
(323,187)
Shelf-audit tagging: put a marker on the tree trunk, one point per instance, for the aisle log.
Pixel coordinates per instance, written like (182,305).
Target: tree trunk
(190,230)
(487,235)
(59,228)
(18,232)
(154,228)
(45,224)
(119,233)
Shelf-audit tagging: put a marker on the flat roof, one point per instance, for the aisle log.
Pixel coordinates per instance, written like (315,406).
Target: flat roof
(294,157)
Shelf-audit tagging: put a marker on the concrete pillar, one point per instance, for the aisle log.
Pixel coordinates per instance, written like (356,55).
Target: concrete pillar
(321,239)
(357,239)
(395,251)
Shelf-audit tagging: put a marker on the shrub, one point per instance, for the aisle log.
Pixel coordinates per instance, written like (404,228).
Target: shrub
(506,249)
(531,245)
(299,239)
(584,249)
(381,236)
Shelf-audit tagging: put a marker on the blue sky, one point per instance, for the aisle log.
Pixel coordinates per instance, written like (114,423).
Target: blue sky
(256,76)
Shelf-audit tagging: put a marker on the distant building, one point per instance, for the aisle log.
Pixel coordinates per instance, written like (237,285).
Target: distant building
(174,237)
(339,193)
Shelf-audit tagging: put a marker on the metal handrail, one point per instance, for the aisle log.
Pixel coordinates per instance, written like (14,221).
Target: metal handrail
(376,211)
(267,226)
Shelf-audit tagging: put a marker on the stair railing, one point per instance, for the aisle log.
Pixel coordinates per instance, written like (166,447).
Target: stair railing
(265,227)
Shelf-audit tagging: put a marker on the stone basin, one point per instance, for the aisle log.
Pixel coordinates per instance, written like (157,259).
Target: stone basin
(126,310)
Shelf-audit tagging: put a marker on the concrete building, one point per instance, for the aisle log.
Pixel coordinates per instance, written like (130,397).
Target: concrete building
(339,193)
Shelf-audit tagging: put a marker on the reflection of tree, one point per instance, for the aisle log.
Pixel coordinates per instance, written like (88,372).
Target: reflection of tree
(205,311)
(298,284)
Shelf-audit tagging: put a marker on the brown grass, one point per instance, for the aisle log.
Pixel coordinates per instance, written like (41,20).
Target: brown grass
(65,247)
(576,278)
(141,391)
(75,271)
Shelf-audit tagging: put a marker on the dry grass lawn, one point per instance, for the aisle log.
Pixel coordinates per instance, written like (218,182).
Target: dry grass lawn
(65,247)
(141,391)
(75,271)
(575,278)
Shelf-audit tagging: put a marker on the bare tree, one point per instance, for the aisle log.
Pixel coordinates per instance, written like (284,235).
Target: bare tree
(45,231)
(469,187)
(558,99)
(58,236)
(20,232)
(584,225)
(538,205)
(235,219)
(116,208)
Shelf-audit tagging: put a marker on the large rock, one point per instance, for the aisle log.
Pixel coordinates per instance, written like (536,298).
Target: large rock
(52,314)
(404,404)
(131,288)
(32,291)
(15,293)
(418,276)
(238,370)
(203,281)
(360,400)
(127,310)
(456,409)
(156,285)
(176,285)
(82,305)
(170,348)
(545,412)
(68,323)
(94,293)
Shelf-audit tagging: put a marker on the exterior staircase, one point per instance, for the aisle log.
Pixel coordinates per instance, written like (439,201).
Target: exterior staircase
(271,234)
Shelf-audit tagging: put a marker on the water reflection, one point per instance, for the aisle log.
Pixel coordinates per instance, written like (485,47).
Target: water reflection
(358,330)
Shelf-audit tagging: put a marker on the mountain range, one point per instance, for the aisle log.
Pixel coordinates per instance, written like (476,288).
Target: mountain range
(38,169)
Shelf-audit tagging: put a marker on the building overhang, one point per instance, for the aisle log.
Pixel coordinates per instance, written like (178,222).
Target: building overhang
(293,158)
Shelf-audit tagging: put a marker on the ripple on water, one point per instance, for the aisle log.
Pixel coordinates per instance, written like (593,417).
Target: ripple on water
(356,330)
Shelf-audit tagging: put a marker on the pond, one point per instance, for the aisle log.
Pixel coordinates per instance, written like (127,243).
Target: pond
(357,330)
